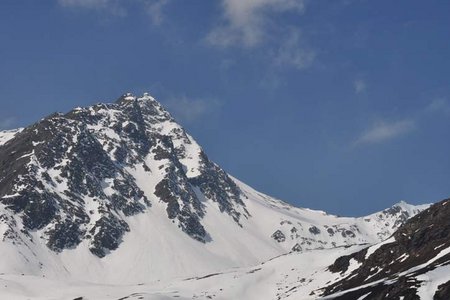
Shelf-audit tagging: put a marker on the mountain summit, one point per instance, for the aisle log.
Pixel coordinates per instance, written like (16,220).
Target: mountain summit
(121,193)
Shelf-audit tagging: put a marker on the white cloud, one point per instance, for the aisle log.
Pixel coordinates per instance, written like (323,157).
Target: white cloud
(191,110)
(155,10)
(383,131)
(360,86)
(245,21)
(291,52)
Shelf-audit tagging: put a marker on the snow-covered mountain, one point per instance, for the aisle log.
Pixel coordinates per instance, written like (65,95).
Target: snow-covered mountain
(412,264)
(120,193)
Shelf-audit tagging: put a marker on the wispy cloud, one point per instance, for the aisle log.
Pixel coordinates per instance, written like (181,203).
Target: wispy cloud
(154,10)
(191,110)
(359,86)
(292,52)
(439,105)
(247,24)
(7,123)
(383,131)
(245,21)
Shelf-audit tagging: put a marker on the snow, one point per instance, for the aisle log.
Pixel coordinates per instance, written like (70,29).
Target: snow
(439,255)
(403,257)
(182,141)
(411,209)
(431,280)
(364,296)
(353,265)
(440,246)
(7,135)
(302,219)
(374,248)
(129,98)
(292,276)
(11,196)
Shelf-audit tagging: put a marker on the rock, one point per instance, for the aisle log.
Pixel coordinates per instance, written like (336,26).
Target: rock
(297,248)
(314,230)
(278,236)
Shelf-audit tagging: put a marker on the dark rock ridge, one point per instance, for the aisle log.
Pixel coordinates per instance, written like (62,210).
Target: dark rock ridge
(391,272)
(69,177)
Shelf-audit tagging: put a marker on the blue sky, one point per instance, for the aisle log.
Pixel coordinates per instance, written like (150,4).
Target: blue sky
(337,105)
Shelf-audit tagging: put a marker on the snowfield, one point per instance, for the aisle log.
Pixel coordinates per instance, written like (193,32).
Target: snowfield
(290,276)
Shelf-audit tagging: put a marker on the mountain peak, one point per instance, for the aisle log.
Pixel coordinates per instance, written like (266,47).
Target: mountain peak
(411,209)
(146,105)
(113,161)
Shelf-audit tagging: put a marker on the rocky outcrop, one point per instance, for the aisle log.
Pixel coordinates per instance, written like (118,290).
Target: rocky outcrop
(278,236)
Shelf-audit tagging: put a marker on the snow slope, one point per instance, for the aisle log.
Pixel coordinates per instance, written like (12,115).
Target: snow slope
(6,135)
(292,276)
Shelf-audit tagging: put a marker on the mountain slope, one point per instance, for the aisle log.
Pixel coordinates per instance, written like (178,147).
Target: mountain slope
(412,264)
(120,193)
(292,276)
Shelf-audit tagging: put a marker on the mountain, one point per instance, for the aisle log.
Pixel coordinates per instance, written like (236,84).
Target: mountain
(120,194)
(414,263)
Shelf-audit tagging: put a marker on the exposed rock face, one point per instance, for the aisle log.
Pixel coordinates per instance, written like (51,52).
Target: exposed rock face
(393,269)
(70,176)
(297,248)
(314,230)
(278,236)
